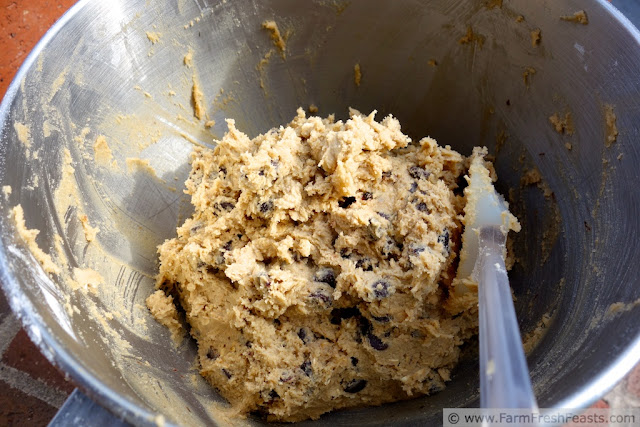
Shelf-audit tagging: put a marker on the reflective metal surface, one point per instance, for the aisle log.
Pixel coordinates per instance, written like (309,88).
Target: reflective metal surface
(98,69)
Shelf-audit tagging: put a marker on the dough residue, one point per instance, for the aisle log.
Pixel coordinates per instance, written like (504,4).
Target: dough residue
(153,36)
(611,128)
(188,58)
(533,338)
(472,37)
(579,17)
(136,164)
(23,133)
(86,278)
(102,152)
(621,307)
(526,75)
(536,37)
(89,231)
(261,67)
(357,74)
(29,237)
(318,269)
(276,36)
(562,125)
(6,190)
(531,177)
(197,99)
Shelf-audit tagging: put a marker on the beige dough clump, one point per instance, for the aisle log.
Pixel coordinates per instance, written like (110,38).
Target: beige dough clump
(316,272)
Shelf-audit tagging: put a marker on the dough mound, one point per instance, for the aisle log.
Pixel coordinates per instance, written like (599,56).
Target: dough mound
(316,272)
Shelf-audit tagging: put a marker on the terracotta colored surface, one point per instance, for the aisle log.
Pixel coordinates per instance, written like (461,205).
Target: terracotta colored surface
(23,355)
(23,23)
(31,389)
(18,408)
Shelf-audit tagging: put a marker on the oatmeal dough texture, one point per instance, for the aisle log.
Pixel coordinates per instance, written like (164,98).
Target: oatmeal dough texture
(318,269)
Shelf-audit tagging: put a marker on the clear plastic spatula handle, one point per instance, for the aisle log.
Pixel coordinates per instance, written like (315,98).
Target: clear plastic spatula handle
(504,376)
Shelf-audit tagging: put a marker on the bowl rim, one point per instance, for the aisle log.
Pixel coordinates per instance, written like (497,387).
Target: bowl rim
(64,360)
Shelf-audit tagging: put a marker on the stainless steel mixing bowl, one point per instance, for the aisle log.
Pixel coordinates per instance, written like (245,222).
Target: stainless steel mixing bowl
(117,69)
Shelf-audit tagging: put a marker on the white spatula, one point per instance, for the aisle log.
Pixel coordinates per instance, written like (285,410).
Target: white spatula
(504,376)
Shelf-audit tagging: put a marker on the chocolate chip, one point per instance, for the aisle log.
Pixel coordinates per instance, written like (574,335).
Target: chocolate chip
(345,202)
(273,395)
(367,196)
(416,249)
(375,229)
(306,367)
(212,354)
(462,184)
(287,377)
(391,249)
(345,253)
(302,334)
(444,239)
(266,206)
(365,326)
(376,343)
(227,206)
(355,386)
(325,275)
(223,170)
(414,187)
(380,289)
(354,361)
(435,388)
(422,207)
(386,174)
(323,296)
(262,279)
(384,215)
(337,314)
(227,373)
(416,172)
(365,264)
(381,319)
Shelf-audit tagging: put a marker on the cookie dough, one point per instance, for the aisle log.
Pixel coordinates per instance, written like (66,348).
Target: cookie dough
(318,270)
